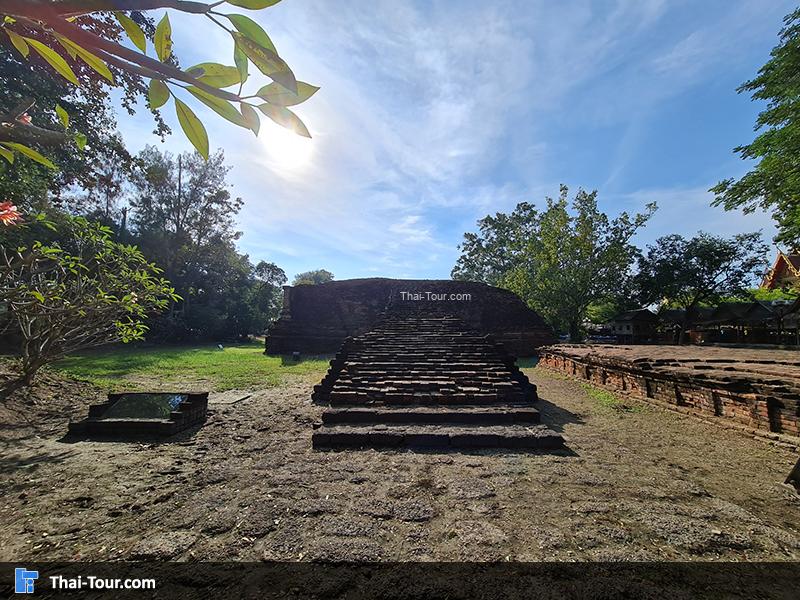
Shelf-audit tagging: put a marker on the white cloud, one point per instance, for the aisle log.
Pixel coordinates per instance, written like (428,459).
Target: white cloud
(431,116)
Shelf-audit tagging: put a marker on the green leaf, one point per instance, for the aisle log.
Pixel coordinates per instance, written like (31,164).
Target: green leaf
(280,96)
(90,59)
(269,63)
(285,118)
(38,295)
(55,59)
(253,4)
(192,127)
(30,153)
(215,75)
(7,154)
(80,141)
(222,107)
(134,32)
(70,50)
(252,31)
(62,116)
(251,117)
(240,59)
(163,38)
(158,93)
(19,43)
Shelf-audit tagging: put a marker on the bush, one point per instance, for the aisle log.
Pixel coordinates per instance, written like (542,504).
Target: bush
(81,291)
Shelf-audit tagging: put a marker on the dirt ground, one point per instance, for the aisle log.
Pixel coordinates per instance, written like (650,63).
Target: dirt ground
(637,483)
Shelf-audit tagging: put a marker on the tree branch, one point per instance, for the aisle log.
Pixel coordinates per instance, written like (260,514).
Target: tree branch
(97,44)
(38,8)
(31,134)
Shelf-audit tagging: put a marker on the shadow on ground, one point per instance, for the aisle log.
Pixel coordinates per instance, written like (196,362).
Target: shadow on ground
(556,417)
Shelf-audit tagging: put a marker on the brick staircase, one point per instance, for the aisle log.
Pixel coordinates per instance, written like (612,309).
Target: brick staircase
(422,379)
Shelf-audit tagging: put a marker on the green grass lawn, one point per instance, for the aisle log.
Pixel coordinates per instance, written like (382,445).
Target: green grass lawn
(238,366)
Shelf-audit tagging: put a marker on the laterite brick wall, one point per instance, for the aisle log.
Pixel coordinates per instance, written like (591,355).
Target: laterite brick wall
(733,402)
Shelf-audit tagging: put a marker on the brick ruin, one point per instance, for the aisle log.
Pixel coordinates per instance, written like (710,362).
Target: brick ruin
(191,411)
(424,378)
(316,319)
(757,390)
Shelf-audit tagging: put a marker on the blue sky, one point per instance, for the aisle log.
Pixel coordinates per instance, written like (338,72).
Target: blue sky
(434,114)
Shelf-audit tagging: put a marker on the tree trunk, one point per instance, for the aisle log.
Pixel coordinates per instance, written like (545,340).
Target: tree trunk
(688,320)
(574,332)
(29,370)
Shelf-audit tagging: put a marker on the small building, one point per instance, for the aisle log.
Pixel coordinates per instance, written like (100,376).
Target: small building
(784,273)
(634,326)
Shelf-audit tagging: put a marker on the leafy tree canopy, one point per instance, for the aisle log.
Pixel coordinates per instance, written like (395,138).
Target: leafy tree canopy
(83,291)
(66,36)
(313,277)
(700,271)
(774,183)
(181,214)
(560,260)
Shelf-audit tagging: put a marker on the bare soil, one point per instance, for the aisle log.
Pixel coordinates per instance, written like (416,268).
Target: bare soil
(641,484)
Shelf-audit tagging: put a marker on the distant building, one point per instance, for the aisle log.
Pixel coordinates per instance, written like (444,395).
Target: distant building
(784,273)
(634,326)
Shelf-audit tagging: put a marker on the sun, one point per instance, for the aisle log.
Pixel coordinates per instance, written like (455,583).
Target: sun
(285,149)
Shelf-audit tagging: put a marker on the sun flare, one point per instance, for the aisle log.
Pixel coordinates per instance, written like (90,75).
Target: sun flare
(285,149)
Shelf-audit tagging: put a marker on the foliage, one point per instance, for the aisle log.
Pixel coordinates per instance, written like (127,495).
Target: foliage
(82,292)
(313,277)
(560,261)
(767,295)
(774,183)
(85,111)
(603,310)
(496,249)
(182,217)
(241,366)
(63,34)
(703,270)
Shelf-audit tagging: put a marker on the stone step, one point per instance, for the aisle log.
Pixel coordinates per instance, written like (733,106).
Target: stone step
(501,414)
(345,398)
(439,437)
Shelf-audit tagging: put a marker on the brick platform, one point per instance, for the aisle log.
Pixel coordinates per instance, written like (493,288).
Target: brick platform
(189,413)
(752,388)
(316,319)
(427,380)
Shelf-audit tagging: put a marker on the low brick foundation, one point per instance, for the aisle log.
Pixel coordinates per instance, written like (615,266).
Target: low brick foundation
(733,389)
(192,411)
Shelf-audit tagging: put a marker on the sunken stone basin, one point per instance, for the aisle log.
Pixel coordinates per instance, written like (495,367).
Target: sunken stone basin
(143,415)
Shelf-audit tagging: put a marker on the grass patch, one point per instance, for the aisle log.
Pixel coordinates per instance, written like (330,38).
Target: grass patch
(239,366)
(606,399)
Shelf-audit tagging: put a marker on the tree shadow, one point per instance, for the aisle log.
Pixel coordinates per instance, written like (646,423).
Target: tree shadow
(9,464)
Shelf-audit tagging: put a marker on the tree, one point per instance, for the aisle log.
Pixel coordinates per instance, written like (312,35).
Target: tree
(89,111)
(313,277)
(181,215)
(44,29)
(560,261)
(703,270)
(491,253)
(83,292)
(774,183)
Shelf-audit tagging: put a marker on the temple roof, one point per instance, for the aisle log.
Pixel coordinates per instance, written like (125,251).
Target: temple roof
(787,266)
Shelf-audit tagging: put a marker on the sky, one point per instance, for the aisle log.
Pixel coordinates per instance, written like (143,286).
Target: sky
(432,115)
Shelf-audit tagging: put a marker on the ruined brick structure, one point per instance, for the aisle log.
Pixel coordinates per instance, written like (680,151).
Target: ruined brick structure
(190,412)
(316,319)
(755,389)
(422,378)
